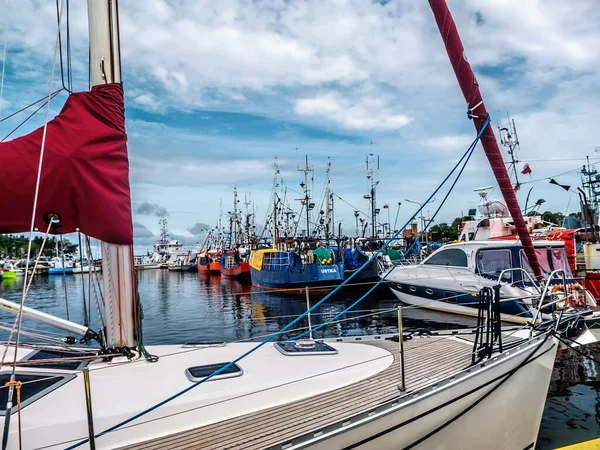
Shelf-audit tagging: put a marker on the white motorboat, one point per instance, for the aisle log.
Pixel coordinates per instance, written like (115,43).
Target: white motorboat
(450,279)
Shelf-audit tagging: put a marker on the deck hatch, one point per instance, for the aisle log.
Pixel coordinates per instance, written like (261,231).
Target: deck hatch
(56,355)
(35,386)
(198,373)
(305,347)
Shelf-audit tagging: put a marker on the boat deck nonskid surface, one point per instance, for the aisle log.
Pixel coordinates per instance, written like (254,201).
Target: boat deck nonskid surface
(280,424)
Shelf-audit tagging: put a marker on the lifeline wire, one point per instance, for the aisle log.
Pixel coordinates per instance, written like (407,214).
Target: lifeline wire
(293,322)
(4,60)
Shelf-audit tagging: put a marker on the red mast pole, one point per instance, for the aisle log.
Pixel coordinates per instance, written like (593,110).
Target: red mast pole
(470,89)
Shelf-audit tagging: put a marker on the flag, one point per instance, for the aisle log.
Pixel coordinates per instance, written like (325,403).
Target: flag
(385,206)
(564,186)
(526,169)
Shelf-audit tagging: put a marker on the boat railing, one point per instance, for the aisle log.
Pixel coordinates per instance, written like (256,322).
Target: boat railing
(545,292)
(535,283)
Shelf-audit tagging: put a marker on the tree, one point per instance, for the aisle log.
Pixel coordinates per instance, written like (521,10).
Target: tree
(15,246)
(553,217)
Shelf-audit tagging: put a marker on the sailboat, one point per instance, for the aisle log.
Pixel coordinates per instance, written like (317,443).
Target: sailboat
(375,392)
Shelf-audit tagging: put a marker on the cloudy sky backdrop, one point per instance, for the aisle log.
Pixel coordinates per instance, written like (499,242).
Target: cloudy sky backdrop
(215,90)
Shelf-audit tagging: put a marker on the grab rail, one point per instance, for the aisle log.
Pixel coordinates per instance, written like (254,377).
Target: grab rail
(534,282)
(545,291)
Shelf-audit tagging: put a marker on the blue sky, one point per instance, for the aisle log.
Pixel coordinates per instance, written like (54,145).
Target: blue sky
(216,90)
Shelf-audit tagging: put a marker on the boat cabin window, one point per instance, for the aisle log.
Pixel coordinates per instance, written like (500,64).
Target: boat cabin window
(550,259)
(449,257)
(198,373)
(35,386)
(559,260)
(493,262)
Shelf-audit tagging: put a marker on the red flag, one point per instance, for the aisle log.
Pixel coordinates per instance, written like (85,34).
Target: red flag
(385,206)
(526,169)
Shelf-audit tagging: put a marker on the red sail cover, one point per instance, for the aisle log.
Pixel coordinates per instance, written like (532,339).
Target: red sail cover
(85,170)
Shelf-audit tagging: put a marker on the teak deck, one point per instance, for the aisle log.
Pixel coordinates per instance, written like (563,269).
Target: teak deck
(282,423)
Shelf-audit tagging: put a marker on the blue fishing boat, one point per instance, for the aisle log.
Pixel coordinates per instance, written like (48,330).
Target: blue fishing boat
(289,269)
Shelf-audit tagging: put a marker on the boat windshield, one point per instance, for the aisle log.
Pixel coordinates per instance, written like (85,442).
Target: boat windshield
(493,262)
(549,259)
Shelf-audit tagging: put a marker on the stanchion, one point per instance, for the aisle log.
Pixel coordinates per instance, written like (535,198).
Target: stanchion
(308,309)
(401,341)
(88,406)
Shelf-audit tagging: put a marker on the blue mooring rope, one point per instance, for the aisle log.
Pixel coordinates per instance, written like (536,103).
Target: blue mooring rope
(316,305)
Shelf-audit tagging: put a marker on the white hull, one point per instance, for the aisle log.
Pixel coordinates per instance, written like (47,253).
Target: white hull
(508,418)
(451,308)
(503,415)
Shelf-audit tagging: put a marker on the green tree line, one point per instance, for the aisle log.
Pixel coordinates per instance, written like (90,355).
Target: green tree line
(15,246)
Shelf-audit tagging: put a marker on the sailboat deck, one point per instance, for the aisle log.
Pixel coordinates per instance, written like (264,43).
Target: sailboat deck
(280,424)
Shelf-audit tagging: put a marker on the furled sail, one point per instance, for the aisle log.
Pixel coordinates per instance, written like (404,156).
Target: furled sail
(477,111)
(85,170)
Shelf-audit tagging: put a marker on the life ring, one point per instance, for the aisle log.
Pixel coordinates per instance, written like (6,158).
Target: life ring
(576,291)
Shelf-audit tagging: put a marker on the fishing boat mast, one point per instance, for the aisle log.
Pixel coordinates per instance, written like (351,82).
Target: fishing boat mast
(478,113)
(329,228)
(372,172)
(306,200)
(275,199)
(117,260)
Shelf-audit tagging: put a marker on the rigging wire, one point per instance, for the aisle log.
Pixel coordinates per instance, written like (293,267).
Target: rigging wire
(54,94)
(293,322)
(31,230)
(382,279)
(28,106)
(4,58)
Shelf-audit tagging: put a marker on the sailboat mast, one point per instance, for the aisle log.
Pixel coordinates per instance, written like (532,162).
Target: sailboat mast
(117,260)
(477,111)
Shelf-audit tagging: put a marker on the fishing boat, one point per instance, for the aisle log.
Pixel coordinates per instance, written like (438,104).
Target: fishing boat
(146,262)
(369,392)
(233,263)
(183,262)
(209,262)
(295,263)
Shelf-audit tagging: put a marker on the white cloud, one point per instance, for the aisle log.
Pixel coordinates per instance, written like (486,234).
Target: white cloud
(450,142)
(365,114)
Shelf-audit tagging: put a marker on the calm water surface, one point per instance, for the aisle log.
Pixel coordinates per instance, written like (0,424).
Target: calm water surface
(182,307)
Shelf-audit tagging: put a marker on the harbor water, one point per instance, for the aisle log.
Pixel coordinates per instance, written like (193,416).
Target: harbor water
(182,307)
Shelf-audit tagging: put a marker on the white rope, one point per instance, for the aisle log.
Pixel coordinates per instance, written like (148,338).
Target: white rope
(4,57)
(37,189)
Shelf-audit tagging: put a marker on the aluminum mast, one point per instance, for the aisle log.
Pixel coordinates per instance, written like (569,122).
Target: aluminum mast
(117,260)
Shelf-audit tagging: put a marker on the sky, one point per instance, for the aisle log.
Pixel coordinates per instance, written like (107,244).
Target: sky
(216,90)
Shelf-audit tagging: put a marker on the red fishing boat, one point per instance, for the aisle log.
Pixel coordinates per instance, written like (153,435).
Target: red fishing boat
(234,264)
(208,262)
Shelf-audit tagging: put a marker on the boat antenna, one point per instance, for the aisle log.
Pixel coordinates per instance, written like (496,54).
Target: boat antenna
(510,140)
